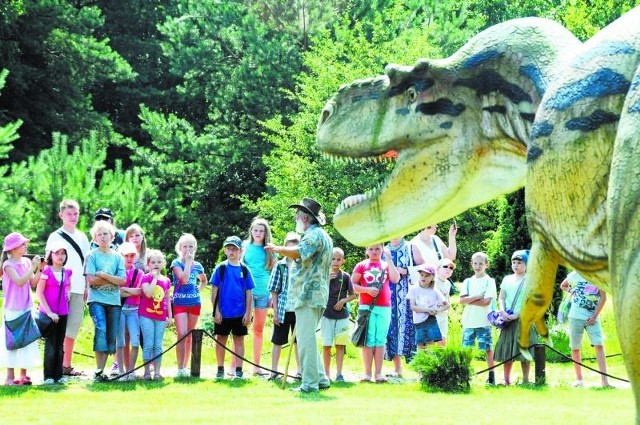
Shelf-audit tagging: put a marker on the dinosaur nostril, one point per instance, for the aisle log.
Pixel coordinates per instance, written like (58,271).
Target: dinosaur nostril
(325,116)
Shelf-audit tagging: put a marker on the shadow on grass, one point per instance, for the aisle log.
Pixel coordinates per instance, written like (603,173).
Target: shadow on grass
(125,386)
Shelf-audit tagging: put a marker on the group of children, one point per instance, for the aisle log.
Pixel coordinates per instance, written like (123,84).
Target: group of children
(129,302)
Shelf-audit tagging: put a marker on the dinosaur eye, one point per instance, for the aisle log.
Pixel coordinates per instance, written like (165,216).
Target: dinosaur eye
(412,94)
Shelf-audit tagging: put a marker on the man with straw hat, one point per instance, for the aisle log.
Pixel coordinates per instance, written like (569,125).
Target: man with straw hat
(309,288)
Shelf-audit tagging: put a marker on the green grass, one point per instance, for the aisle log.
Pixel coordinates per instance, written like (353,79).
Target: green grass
(256,400)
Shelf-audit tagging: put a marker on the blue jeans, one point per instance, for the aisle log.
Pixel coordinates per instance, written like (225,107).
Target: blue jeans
(106,319)
(129,322)
(152,334)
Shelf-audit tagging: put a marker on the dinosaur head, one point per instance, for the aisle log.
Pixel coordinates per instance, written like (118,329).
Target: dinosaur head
(457,129)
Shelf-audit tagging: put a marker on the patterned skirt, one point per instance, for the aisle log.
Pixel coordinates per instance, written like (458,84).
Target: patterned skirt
(401,336)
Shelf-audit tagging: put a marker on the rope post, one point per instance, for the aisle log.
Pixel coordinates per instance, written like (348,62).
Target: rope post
(196,352)
(540,358)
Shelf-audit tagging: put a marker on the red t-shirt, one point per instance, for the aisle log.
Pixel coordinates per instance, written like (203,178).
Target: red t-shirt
(370,272)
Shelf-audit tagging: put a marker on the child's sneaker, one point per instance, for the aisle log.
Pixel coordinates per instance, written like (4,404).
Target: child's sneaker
(239,374)
(48,381)
(220,374)
(578,384)
(99,376)
(339,378)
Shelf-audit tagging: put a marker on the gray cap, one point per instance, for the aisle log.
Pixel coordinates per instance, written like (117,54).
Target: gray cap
(233,240)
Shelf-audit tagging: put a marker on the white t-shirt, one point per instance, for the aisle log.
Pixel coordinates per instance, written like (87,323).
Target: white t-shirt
(475,316)
(74,262)
(444,286)
(424,298)
(428,250)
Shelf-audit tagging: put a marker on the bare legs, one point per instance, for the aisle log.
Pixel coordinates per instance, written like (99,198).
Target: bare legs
(259,318)
(326,359)
(238,348)
(185,323)
(370,356)
(600,357)
(397,365)
(68,351)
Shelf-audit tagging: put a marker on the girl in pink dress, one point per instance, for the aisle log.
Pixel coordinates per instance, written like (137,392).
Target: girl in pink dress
(19,274)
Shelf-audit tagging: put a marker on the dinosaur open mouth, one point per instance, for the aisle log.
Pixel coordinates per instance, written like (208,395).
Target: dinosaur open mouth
(354,200)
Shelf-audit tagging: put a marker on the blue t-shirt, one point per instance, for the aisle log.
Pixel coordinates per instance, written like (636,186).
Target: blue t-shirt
(109,262)
(188,294)
(254,257)
(231,292)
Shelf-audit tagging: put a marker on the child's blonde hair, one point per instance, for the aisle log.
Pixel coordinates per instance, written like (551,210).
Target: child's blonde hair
(482,255)
(101,225)
(270,259)
(186,237)
(157,254)
(136,228)
(339,251)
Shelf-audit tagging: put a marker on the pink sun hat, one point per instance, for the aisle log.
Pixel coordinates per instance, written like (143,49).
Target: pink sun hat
(13,241)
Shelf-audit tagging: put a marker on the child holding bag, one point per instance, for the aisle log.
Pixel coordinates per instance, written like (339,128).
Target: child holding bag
(53,294)
(18,272)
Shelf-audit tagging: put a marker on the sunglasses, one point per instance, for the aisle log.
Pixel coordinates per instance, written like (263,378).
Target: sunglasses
(451,266)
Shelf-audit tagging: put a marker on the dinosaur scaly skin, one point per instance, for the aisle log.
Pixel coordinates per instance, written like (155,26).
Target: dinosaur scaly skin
(459,125)
(583,184)
(444,118)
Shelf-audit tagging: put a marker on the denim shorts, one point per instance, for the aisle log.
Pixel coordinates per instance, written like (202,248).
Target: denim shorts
(484,336)
(261,301)
(106,320)
(428,331)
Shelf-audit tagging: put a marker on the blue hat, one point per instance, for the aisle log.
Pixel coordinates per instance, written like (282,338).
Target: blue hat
(522,255)
(233,240)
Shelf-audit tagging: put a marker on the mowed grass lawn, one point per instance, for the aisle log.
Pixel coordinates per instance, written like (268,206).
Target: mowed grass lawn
(256,400)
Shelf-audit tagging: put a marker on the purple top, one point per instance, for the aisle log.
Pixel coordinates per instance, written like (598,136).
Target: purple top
(16,297)
(58,303)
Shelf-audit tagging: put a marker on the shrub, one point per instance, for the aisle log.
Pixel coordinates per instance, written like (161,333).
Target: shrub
(560,338)
(446,369)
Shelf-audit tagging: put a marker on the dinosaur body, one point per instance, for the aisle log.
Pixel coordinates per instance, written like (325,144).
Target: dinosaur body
(521,99)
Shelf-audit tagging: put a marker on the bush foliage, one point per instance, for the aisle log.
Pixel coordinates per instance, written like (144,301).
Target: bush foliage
(446,369)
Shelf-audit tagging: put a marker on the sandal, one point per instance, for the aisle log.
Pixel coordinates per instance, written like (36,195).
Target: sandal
(381,380)
(69,371)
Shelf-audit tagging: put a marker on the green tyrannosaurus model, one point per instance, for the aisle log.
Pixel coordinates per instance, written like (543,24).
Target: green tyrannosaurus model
(521,101)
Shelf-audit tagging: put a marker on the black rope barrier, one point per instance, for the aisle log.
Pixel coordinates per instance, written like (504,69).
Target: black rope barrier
(244,359)
(567,359)
(115,378)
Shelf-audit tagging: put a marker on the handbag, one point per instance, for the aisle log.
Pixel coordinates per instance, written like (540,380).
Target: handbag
(496,319)
(359,336)
(21,331)
(563,308)
(43,321)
